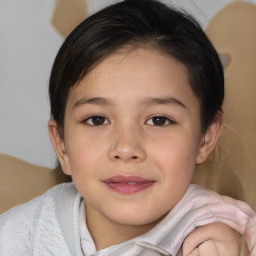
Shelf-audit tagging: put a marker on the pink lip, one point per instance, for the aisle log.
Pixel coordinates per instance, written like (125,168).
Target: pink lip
(128,184)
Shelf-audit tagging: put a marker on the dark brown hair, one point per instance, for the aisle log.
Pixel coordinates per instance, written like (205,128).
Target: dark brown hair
(139,23)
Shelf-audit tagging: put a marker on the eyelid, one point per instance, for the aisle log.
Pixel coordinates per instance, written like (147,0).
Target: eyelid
(169,119)
(85,120)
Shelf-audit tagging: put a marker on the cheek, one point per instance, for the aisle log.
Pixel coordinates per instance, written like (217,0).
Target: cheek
(85,160)
(176,160)
(175,151)
(84,152)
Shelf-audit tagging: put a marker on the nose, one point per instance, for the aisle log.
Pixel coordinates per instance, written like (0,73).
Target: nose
(127,146)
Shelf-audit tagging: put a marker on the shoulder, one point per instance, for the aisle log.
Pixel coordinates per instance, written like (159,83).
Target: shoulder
(32,207)
(18,226)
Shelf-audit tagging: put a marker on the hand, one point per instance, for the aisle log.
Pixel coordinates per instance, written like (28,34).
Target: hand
(216,239)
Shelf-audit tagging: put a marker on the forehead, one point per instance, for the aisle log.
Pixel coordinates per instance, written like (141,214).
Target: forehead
(133,75)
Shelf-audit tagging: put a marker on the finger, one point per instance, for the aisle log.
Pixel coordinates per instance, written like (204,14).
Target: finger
(208,248)
(195,252)
(208,232)
(194,239)
(226,242)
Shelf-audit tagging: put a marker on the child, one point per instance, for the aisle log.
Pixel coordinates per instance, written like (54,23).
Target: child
(136,92)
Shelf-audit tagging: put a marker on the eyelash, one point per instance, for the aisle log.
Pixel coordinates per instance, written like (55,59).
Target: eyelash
(167,121)
(89,120)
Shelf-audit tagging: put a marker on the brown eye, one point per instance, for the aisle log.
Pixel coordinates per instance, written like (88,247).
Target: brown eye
(159,121)
(96,120)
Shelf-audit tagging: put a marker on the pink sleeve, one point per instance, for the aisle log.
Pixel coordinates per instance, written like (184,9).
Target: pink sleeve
(207,207)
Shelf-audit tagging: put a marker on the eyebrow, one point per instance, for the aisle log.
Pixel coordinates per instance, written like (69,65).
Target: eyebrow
(148,101)
(95,101)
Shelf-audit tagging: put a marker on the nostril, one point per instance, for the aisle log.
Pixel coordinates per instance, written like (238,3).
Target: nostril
(133,157)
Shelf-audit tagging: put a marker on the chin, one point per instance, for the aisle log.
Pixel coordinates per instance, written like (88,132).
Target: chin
(135,219)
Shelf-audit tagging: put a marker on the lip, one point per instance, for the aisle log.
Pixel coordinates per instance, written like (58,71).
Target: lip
(128,184)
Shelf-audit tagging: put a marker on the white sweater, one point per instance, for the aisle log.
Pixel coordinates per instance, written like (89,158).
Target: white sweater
(53,224)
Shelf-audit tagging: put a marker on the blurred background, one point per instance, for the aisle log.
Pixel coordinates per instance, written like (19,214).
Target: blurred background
(31,32)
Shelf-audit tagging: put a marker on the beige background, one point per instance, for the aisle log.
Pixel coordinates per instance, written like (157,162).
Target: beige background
(232,168)
(31,32)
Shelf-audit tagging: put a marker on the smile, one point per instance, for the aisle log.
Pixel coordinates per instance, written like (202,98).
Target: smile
(128,184)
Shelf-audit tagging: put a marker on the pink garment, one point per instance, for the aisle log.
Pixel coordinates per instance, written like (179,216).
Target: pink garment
(208,207)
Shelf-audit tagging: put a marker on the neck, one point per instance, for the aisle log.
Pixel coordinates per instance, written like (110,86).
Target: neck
(106,233)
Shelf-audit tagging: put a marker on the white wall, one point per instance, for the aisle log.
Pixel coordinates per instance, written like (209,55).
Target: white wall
(28,45)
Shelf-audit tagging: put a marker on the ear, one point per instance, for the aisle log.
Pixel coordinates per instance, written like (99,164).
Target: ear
(59,146)
(210,139)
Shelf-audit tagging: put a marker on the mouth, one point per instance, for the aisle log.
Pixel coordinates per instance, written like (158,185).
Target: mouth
(128,184)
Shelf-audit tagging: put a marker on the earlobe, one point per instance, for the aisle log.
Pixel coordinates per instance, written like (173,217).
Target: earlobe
(210,139)
(58,145)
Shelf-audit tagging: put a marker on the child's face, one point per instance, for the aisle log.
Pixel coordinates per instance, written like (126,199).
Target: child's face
(134,118)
